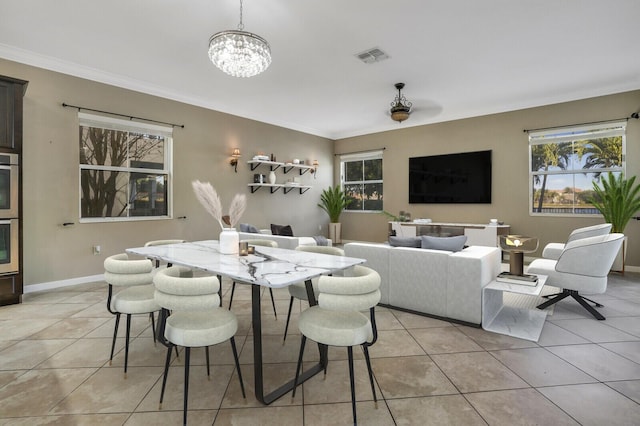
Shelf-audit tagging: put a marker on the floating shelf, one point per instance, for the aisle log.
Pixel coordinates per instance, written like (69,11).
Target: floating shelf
(276,186)
(286,167)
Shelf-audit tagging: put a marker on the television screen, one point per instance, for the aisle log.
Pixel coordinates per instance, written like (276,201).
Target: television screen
(451,178)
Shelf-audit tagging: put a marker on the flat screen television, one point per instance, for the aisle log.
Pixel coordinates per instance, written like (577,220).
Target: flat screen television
(451,178)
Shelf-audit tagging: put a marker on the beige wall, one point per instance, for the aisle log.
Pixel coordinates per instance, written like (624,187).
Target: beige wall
(201,151)
(502,133)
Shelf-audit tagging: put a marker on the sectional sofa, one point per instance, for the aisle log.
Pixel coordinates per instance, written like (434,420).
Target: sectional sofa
(443,284)
(283,241)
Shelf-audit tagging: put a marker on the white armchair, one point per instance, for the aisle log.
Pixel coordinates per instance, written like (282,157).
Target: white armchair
(553,250)
(582,267)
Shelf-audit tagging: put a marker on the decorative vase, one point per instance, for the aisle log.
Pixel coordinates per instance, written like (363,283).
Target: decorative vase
(272,177)
(229,239)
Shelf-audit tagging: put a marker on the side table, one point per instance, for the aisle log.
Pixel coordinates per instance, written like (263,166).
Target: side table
(525,323)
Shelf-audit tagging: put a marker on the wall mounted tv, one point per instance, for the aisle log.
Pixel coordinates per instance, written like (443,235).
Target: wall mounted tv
(451,178)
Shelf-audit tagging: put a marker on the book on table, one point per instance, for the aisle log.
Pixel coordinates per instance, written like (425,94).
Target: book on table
(526,279)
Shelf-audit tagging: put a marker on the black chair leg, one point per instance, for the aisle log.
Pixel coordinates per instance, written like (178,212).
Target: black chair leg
(233,289)
(153,327)
(126,345)
(373,388)
(187,358)
(206,351)
(286,327)
(556,299)
(598,305)
(295,380)
(273,303)
(353,384)
(587,306)
(235,357)
(164,377)
(115,334)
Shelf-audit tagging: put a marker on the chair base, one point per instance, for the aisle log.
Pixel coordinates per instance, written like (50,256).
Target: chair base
(581,300)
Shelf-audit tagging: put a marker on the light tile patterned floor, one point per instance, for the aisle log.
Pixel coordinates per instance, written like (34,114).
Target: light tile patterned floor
(54,369)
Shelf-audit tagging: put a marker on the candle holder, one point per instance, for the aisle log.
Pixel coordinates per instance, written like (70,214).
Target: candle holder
(243,248)
(251,250)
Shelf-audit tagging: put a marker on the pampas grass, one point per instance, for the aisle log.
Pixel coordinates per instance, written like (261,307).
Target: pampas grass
(210,200)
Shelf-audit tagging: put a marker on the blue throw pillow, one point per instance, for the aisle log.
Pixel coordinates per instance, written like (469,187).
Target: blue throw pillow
(395,241)
(444,243)
(246,227)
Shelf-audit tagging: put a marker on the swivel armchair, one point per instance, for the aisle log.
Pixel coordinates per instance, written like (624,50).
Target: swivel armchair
(582,267)
(553,250)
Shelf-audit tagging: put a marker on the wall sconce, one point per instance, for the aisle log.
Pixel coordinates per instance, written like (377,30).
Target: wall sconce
(315,168)
(234,159)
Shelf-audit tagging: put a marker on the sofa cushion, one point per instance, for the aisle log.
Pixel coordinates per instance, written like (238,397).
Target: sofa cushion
(444,243)
(284,230)
(247,227)
(395,241)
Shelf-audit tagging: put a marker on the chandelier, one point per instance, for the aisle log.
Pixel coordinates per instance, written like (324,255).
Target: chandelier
(400,107)
(239,53)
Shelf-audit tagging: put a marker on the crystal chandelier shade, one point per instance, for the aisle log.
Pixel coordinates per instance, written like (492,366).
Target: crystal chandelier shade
(239,53)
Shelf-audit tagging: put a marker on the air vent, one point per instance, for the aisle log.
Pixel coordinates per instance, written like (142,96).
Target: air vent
(372,55)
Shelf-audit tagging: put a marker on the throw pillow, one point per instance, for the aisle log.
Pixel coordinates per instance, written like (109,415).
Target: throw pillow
(405,241)
(247,227)
(284,230)
(444,243)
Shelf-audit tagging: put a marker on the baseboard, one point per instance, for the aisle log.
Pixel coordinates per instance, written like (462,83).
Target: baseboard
(62,283)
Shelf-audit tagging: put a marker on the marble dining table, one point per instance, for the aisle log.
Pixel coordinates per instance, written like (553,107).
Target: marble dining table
(266,267)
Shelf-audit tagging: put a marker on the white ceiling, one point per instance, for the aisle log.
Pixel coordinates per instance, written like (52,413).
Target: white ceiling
(458,58)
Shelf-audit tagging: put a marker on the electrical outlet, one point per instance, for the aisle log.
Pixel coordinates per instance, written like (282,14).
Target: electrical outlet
(96,250)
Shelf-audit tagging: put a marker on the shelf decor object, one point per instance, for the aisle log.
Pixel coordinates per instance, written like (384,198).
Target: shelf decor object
(239,53)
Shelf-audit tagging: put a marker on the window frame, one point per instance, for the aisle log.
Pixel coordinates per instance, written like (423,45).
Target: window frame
(109,123)
(361,156)
(573,134)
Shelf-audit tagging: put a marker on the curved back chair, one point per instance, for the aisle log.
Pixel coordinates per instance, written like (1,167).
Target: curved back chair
(263,243)
(134,278)
(162,243)
(298,290)
(583,266)
(553,250)
(337,319)
(196,319)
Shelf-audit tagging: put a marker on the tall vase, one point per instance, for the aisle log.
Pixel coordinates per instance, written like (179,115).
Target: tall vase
(272,177)
(229,239)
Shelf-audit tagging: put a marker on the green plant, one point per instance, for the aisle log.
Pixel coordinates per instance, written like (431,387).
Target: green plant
(618,200)
(333,200)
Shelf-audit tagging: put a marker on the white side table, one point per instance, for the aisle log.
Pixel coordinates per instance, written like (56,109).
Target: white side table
(497,317)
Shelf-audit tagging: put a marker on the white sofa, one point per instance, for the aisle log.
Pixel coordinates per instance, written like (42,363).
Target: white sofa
(283,242)
(437,283)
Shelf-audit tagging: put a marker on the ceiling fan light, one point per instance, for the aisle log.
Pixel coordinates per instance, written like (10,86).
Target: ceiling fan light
(400,107)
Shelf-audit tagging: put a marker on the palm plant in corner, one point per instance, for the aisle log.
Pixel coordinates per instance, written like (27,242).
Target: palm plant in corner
(208,197)
(618,200)
(333,200)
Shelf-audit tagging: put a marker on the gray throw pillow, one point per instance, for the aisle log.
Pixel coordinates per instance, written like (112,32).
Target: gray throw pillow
(246,227)
(444,243)
(405,241)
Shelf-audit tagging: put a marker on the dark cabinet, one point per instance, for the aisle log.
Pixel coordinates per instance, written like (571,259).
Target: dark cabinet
(11,97)
(11,93)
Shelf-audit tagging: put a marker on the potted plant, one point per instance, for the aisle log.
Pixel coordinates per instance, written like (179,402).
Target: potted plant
(618,200)
(333,200)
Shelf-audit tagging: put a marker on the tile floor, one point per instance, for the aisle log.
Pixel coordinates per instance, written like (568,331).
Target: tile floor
(54,369)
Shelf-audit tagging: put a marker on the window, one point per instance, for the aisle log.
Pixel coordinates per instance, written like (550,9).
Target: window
(124,169)
(361,179)
(564,163)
